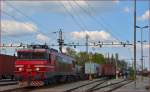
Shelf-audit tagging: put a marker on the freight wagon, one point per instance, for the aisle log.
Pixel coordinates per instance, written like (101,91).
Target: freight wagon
(7,68)
(108,70)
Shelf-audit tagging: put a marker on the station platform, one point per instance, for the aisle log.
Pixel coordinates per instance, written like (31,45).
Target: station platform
(141,86)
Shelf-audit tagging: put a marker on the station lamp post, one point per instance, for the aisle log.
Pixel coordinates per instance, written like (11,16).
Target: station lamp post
(144,61)
(142,29)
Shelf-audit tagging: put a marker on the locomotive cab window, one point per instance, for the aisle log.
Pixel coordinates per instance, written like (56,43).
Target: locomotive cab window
(33,55)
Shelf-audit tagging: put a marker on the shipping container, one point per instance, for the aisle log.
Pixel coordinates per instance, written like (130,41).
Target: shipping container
(91,68)
(7,66)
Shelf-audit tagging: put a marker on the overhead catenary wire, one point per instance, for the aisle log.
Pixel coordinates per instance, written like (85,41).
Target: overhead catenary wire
(82,22)
(76,13)
(95,19)
(101,18)
(25,15)
(82,27)
(25,23)
(13,17)
(34,20)
(29,18)
(72,16)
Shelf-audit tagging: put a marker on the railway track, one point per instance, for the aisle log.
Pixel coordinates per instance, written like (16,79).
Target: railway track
(109,87)
(97,86)
(22,89)
(95,83)
(28,89)
(101,85)
(118,86)
(7,82)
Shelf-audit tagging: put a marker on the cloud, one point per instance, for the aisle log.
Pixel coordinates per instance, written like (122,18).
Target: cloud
(42,38)
(56,6)
(145,16)
(74,4)
(93,35)
(115,1)
(126,9)
(42,6)
(16,28)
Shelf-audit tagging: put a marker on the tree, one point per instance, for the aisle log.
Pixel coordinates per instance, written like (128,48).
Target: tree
(98,58)
(116,56)
(83,57)
(71,52)
(112,59)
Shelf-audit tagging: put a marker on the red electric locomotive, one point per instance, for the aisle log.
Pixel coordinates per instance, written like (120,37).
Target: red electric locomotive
(37,65)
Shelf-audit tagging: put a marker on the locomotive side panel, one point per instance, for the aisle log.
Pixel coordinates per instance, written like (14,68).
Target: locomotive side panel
(64,65)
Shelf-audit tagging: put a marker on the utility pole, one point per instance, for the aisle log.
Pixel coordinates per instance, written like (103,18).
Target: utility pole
(108,58)
(149,45)
(135,43)
(60,40)
(0,26)
(116,63)
(89,57)
(142,29)
(86,37)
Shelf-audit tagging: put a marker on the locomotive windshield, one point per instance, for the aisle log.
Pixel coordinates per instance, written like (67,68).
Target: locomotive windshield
(32,55)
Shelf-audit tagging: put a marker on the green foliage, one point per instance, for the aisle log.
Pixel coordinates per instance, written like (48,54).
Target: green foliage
(82,57)
(98,58)
(70,52)
(122,64)
(131,73)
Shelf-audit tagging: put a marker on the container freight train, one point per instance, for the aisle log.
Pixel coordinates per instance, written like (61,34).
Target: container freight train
(100,70)
(39,65)
(7,66)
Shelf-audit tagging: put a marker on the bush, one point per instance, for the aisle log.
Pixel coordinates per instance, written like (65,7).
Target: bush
(131,73)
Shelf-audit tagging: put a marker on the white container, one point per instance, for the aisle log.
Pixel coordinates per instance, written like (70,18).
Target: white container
(91,68)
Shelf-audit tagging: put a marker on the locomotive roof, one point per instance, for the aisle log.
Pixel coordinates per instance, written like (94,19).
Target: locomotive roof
(35,48)
(31,50)
(43,48)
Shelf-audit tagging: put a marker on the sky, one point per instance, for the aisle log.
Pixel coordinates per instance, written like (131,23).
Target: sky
(34,22)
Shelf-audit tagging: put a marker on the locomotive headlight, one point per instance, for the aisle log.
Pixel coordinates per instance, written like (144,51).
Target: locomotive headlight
(37,69)
(20,69)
